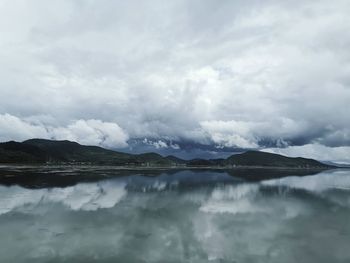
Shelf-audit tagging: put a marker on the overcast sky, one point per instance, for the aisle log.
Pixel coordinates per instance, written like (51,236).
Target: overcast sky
(226,74)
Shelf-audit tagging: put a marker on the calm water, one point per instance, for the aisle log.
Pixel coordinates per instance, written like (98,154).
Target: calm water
(183,216)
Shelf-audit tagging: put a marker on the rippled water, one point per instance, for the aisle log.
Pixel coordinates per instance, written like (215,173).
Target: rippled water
(182,217)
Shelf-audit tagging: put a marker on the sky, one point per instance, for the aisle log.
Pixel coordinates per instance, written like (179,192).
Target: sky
(187,77)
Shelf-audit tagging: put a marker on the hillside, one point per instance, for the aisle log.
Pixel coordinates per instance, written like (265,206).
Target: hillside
(15,152)
(63,152)
(264,159)
(49,151)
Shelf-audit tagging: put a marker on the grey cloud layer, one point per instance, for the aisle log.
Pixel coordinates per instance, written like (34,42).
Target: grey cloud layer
(232,73)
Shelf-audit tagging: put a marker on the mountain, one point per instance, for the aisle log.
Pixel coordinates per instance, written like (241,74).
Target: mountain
(49,151)
(152,159)
(339,165)
(60,152)
(67,151)
(176,160)
(202,162)
(264,159)
(16,152)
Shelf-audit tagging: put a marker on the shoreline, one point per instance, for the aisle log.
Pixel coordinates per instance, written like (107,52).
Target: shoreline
(48,176)
(123,167)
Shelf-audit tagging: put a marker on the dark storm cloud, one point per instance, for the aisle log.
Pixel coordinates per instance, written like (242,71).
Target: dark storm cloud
(226,74)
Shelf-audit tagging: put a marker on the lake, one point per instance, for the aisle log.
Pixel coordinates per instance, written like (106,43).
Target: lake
(104,214)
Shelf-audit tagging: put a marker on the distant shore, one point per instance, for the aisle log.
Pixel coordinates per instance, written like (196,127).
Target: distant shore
(63,175)
(126,167)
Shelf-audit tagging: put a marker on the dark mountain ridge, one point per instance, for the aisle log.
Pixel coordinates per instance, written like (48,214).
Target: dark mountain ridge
(256,158)
(67,152)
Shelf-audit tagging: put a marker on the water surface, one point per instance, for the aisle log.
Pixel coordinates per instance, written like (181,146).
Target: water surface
(178,216)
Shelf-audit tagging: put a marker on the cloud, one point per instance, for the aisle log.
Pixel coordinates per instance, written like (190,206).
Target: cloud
(231,133)
(220,73)
(93,132)
(159,144)
(315,151)
(89,132)
(13,128)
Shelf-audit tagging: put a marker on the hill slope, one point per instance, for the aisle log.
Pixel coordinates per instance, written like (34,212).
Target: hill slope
(67,151)
(49,151)
(264,159)
(15,152)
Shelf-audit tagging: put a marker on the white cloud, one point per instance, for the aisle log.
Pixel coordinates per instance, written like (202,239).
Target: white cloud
(175,146)
(13,128)
(164,70)
(249,134)
(93,132)
(315,151)
(159,144)
(89,132)
(230,133)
